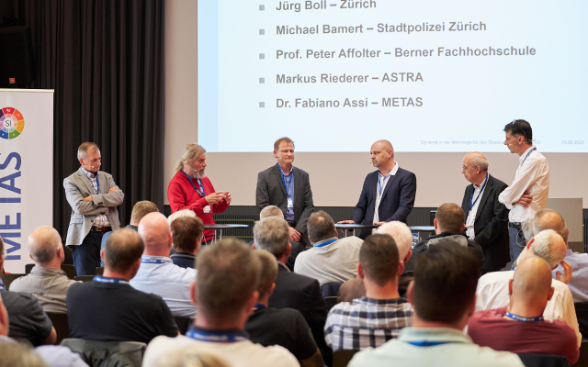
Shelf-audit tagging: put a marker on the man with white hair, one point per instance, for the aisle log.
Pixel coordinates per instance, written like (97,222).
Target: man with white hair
(46,281)
(354,288)
(158,274)
(492,291)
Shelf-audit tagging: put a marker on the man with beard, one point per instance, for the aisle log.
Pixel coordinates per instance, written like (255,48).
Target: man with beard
(190,189)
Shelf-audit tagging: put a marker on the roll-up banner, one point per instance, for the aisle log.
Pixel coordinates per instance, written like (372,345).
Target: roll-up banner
(26,170)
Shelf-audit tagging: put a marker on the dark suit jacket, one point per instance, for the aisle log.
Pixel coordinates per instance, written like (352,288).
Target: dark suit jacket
(491,224)
(270,191)
(396,203)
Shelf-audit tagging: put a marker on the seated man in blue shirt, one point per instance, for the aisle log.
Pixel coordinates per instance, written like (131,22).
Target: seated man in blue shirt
(443,295)
(158,274)
(187,236)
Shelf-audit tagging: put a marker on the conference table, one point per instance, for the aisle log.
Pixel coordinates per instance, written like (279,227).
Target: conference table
(218,228)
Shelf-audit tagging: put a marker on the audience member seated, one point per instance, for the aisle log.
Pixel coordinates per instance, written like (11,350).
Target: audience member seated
(297,248)
(520,328)
(493,291)
(292,290)
(26,317)
(225,293)
(187,238)
(443,297)
(141,209)
(158,274)
(190,358)
(372,320)
(46,281)
(108,308)
(449,227)
(354,288)
(285,327)
(14,354)
(330,259)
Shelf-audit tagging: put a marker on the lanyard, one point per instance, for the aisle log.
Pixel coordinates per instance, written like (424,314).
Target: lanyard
(154,261)
(284,177)
(100,279)
(259,306)
(425,343)
(380,184)
(480,193)
(216,337)
(523,318)
(528,154)
(201,193)
(327,243)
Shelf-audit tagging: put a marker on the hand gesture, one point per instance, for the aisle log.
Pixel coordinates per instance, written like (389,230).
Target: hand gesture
(88,198)
(525,200)
(113,189)
(214,198)
(567,274)
(294,235)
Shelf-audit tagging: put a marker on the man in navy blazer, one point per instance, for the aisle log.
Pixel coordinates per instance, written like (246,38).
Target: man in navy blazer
(387,194)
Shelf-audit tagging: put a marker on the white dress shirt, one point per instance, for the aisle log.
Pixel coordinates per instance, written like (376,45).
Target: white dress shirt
(532,174)
(380,187)
(477,196)
(492,293)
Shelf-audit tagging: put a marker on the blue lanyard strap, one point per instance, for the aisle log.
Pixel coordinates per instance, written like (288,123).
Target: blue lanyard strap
(201,193)
(260,306)
(290,177)
(154,261)
(479,194)
(2,285)
(380,184)
(327,243)
(524,319)
(426,343)
(100,279)
(528,154)
(217,337)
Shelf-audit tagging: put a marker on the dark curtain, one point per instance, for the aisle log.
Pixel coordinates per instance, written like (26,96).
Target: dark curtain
(105,60)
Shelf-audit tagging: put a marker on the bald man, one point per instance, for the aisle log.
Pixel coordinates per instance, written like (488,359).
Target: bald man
(486,217)
(47,282)
(158,274)
(388,193)
(520,327)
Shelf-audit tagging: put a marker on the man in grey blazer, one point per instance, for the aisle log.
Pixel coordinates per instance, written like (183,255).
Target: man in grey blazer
(288,188)
(93,197)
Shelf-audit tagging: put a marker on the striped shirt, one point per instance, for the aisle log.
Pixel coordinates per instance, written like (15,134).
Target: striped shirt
(101,220)
(366,322)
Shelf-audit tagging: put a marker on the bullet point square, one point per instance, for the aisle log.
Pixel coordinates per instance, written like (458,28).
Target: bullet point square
(261,104)
(261,80)
(261,7)
(261,56)
(262,32)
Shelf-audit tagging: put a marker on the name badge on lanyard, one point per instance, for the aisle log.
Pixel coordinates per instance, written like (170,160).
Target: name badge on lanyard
(290,204)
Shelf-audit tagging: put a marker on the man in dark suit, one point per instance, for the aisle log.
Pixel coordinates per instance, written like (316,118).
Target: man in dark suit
(387,194)
(288,188)
(486,217)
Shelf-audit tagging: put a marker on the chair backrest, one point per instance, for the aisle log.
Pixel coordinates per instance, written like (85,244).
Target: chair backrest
(70,270)
(330,289)
(331,301)
(97,354)
(183,324)
(341,358)
(9,278)
(60,324)
(28,268)
(84,278)
(543,360)
(99,271)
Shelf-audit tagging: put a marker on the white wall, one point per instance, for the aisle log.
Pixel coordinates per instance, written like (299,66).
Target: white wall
(336,178)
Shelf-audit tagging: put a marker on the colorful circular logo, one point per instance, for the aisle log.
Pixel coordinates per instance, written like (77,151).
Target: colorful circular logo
(12,123)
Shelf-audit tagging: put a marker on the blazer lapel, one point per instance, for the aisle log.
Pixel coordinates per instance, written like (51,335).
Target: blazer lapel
(484,198)
(102,180)
(298,186)
(388,184)
(82,176)
(468,195)
(278,176)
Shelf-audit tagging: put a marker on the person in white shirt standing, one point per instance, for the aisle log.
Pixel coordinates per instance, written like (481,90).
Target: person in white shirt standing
(529,190)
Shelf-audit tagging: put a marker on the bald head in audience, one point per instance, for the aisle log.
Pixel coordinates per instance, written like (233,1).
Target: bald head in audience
(530,288)
(402,237)
(550,219)
(45,247)
(549,246)
(155,232)
(271,211)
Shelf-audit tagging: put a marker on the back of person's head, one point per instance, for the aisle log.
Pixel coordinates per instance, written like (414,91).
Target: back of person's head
(123,248)
(155,232)
(320,226)
(187,233)
(271,211)
(272,234)
(44,245)
(269,271)
(450,217)
(445,283)
(15,354)
(180,214)
(379,258)
(401,234)
(522,128)
(186,357)
(531,281)
(228,274)
(550,219)
(141,209)
(527,228)
(549,246)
